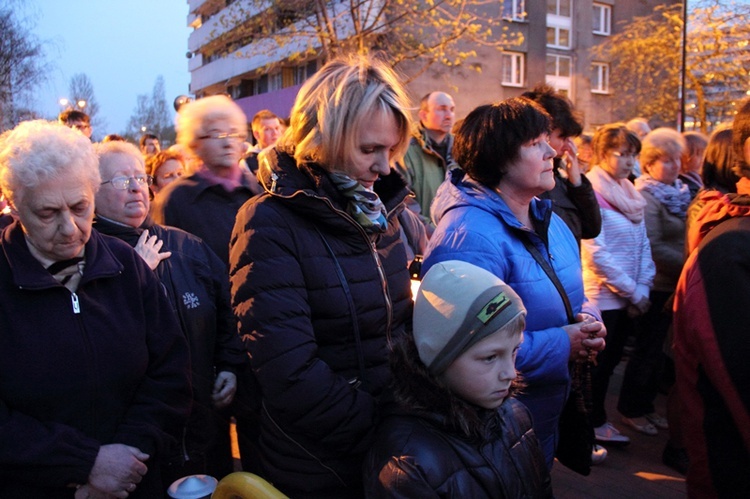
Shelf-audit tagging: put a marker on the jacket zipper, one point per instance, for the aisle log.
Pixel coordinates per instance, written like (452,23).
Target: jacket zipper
(373,252)
(89,349)
(378,264)
(76,303)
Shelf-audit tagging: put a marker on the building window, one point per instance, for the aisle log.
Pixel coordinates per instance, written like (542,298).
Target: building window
(559,7)
(514,64)
(600,78)
(514,10)
(559,24)
(275,82)
(602,19)
(558,37)
(558,73)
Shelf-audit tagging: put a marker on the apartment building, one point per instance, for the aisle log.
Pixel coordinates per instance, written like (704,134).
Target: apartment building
(557,36)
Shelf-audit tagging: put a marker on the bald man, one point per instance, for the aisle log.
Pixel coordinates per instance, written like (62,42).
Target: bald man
(429,156)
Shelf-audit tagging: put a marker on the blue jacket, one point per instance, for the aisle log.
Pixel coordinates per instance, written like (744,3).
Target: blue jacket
(475,225)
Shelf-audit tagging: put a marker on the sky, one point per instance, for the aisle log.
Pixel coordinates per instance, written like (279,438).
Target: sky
(121,45)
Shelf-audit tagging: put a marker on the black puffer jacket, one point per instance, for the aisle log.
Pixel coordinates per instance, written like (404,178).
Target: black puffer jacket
(437,445)
(320,376)
(196,282)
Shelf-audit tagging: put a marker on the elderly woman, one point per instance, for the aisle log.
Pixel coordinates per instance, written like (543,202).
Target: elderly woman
(667,199)
(692,161)
(617,267)
(164,167)
(319,279)
(488,214)
(213,132)
(197,285)
(93,366)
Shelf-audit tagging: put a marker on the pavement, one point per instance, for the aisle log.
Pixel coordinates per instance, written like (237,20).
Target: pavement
(634,471)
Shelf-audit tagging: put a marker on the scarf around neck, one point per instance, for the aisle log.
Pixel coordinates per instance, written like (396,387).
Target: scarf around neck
(363,204)
(675,197)
(620,194)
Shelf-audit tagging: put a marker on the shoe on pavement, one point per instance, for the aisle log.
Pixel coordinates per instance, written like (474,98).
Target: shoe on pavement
(598,454)
(657,420)
(607,433)
(675,457)
(642,425)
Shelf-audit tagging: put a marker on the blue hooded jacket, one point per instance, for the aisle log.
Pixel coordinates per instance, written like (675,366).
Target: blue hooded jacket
(475,225)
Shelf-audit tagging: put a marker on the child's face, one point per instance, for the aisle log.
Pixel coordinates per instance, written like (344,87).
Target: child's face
(483,373)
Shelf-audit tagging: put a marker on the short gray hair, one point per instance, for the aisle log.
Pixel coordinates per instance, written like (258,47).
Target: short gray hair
(194,117)
(38,151)
(104,150)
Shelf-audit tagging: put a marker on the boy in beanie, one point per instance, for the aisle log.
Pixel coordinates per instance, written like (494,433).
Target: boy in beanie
(458,432)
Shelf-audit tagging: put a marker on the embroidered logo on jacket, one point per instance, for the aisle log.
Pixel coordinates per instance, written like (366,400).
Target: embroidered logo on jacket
(190,300)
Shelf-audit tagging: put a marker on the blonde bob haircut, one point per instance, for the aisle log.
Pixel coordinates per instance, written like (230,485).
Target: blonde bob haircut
(662,142)
(196,118)
(333,105)
(38,151)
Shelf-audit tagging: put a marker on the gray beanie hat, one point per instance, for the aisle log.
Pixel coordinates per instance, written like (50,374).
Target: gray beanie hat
(459,304)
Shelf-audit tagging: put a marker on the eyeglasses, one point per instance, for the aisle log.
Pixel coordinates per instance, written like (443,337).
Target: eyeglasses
(219,136)
(618,154)
(122,183)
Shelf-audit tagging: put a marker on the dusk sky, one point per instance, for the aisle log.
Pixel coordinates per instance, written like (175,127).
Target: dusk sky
(121,45)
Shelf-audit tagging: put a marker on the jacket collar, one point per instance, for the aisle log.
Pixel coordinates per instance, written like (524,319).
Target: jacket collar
(200,183)
(308,186)
(462,191)
(28,272)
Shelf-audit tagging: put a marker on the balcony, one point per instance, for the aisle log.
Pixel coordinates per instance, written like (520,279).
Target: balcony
(221,70)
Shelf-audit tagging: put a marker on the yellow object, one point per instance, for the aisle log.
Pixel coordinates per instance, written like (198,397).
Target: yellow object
(243,485)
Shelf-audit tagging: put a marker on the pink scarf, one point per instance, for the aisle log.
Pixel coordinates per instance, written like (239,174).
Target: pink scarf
(620,194)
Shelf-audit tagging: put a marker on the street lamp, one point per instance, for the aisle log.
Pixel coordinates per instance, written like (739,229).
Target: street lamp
(66,103)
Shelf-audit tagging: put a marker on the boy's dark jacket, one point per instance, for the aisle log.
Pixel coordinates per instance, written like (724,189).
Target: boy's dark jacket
(437,445)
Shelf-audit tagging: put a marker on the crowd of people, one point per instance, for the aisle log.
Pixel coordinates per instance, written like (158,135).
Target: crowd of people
(150,297)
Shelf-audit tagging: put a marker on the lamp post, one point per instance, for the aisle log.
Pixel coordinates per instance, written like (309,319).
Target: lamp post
(683,90)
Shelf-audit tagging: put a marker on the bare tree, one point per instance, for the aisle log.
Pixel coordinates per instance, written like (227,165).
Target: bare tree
(646,63)
(152,115)
(81,91)
(22,65)
(414,34)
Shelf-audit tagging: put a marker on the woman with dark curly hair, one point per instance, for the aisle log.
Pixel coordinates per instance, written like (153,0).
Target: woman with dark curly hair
(489,214)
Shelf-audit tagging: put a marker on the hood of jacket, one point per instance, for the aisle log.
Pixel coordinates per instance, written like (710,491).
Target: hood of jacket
(418,392)
(462,191)
(718,207)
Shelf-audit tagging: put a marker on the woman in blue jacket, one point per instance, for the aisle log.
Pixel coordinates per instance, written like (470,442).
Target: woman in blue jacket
(484,213)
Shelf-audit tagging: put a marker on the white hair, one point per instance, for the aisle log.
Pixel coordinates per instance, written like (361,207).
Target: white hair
(105,150)
(38,151)
(195,117)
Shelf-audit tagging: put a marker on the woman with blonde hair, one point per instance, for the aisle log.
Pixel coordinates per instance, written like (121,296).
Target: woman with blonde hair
(319,279)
